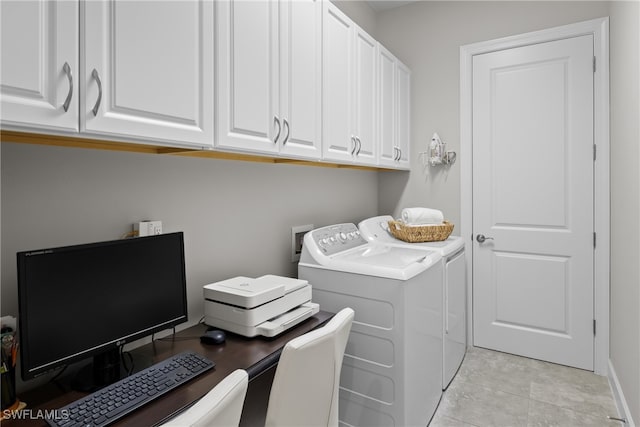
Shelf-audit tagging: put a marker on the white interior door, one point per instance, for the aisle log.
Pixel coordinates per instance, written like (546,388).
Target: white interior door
(533,201)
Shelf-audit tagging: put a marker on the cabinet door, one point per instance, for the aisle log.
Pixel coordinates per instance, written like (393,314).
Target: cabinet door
(365,102)
(388,151)
(247,76)
(403,115)
(148,70)
(301,77)
(39,71)
(337,89)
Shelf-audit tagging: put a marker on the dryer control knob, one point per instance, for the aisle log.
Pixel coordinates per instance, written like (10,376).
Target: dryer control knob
(341,237)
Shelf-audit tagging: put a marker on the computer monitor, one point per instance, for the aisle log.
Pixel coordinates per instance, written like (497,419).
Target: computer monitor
(90,299)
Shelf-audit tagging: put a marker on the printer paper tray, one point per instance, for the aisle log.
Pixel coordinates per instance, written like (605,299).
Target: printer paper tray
(271,327)
(255,316)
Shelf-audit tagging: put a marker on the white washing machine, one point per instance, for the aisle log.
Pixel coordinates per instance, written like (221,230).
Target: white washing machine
(376,229)
(392,369)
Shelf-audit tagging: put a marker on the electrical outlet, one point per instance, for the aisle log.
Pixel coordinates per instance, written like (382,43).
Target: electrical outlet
(148,228)
(297,238)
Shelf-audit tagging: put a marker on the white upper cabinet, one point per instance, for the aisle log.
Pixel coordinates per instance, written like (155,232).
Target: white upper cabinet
(268,76)
(301,77)
(39,66)
(388,150)
(148,70)
(337,131)
(393,110)
(290,78)
(349,90)
(365,102)
(247,75)
(403,115)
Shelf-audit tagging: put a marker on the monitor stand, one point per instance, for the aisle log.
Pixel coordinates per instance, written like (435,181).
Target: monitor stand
(104,370)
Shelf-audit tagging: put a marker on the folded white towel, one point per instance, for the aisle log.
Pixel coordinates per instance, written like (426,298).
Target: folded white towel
(422,216)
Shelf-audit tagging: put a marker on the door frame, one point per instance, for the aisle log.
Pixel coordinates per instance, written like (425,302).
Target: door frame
(599,28)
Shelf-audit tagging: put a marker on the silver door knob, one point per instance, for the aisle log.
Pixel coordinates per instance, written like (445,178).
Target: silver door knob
(481,238)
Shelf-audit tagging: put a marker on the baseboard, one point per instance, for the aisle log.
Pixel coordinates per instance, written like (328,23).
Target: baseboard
(618,395)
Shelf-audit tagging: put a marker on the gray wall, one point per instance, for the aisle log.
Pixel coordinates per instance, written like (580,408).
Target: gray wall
(232,212)
(625,200)
(360,12)
(427,36)
(236,216)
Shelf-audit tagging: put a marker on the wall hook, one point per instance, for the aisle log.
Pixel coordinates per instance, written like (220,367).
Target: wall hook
(437,153)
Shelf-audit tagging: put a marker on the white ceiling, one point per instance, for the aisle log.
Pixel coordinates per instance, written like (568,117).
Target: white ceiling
(380,5)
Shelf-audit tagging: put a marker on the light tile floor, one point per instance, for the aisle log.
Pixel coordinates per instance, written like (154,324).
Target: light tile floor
(501,390)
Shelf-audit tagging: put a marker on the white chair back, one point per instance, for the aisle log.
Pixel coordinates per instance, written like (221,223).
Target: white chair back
(306,384)
(222,406)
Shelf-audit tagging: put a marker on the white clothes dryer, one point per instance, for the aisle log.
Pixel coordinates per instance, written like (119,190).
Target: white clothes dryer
(392,367)
(376,229)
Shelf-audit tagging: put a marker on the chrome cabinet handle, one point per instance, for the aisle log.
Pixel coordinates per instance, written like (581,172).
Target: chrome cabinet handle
(353,143)
(277,122)
(399,153)
(396,155)
(67,69)
(286,138)
(481,238)
(95,75)
(359,145)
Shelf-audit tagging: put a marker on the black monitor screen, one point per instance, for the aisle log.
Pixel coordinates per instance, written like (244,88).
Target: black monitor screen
(79,301)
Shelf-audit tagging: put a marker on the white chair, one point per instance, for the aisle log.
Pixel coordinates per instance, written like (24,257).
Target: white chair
(222,406)
(306,384)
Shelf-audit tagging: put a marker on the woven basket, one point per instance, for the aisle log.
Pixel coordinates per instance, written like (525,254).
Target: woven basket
(423,233)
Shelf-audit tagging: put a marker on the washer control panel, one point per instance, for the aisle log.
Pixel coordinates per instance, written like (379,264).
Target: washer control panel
(337,238)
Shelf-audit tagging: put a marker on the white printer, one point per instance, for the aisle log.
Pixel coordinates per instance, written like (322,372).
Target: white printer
(267,305)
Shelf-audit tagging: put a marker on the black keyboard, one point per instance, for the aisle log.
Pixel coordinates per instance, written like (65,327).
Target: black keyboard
(125,396)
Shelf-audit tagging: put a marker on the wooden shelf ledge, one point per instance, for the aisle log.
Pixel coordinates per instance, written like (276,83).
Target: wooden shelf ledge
(98,144)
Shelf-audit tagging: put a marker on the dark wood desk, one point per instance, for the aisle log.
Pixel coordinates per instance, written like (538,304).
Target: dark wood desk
(257,355)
